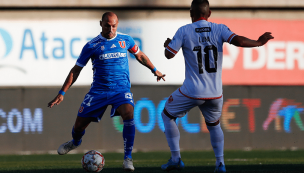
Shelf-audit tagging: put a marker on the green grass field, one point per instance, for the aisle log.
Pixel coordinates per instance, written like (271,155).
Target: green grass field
(236,161)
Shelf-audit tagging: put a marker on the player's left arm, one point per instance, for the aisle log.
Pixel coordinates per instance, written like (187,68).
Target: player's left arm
(144,60)
(241,41)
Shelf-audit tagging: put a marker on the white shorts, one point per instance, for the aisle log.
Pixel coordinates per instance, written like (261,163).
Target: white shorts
(179,105)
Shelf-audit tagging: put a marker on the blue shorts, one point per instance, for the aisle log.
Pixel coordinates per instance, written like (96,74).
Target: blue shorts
(95,104)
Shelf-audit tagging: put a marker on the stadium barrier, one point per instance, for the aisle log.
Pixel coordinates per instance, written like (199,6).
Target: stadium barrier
(254,117)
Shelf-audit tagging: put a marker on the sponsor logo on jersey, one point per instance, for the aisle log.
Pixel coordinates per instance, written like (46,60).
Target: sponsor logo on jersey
(102,47)
(170,99)
(112,55)
(122,44)
(113,46)
(81,109)
(203,29)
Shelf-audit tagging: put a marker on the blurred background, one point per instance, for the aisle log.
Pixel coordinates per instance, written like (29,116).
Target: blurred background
(41,40)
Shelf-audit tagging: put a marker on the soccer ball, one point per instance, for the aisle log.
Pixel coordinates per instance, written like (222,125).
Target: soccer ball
(93,161)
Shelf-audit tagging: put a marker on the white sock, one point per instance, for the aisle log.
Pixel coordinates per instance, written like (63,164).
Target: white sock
(175,156)
(217,142)
(173,136)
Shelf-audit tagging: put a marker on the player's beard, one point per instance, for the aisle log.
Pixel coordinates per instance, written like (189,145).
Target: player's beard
(110,35)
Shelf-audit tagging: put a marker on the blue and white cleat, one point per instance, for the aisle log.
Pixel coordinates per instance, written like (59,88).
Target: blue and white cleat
(66,147)
(128,165)
(173,166)
(220,169)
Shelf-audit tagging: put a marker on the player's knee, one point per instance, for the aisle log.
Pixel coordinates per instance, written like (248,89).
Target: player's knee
(127,115)
(213,123)
(165,112)
(78,129)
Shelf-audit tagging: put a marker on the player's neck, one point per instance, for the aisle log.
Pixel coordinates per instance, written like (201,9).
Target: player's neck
(109,38)
(197,19)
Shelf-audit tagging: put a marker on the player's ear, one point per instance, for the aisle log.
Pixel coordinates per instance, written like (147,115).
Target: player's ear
(100,22)
(209,13)
(191,13)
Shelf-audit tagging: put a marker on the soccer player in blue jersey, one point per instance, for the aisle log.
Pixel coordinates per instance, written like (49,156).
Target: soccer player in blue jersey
(111,84)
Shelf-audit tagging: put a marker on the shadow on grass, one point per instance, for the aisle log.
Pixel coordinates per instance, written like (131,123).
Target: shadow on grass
(280,168)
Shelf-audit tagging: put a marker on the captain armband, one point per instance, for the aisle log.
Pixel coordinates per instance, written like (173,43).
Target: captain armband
(134,49)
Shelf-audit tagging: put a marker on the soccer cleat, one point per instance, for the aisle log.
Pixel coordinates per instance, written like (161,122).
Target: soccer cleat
(128,165)
(173,166)
(66,147)
(220,169)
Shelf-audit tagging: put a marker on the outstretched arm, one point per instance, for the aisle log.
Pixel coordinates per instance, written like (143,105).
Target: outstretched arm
(144,60)
(241,41)
(71,78)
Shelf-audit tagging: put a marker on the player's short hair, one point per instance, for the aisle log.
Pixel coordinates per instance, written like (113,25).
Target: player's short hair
(200,7)
(107,14)
(199,2)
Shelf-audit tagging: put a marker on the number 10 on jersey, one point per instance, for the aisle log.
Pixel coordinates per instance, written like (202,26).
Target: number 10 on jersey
(208,58)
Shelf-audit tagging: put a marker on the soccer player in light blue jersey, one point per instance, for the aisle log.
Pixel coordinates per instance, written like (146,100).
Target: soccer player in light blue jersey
(111,84)
(202,46)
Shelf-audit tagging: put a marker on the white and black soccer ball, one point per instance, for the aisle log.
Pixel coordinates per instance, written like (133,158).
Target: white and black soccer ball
(93,161)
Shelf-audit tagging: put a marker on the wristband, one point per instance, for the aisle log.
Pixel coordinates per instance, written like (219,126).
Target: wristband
(61,92)
(153,70)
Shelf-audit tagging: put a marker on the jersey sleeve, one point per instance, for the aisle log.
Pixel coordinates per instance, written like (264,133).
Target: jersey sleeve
(84,55)
(176,43)
(227,34)
(132,47)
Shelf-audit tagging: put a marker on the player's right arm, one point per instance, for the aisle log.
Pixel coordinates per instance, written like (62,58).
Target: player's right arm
(71,78)
(241,41)
(74,73)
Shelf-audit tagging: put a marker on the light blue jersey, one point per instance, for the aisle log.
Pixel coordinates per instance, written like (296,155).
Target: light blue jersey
(110,62)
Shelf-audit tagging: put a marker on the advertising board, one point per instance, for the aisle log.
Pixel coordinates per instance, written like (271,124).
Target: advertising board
(41,53)
(254,117)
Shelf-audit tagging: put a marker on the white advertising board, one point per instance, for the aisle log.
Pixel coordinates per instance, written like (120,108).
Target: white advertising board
(42,52)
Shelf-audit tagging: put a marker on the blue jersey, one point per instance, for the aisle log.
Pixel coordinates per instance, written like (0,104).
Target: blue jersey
(110,62)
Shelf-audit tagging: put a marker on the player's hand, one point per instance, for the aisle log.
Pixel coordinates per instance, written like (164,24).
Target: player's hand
(263,39)
(167,42)
(56,101)
(159,75)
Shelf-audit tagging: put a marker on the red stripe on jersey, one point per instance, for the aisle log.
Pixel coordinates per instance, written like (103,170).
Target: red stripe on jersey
(211,98)
(134,49)
(230,37)
(201,18)
(172,50)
